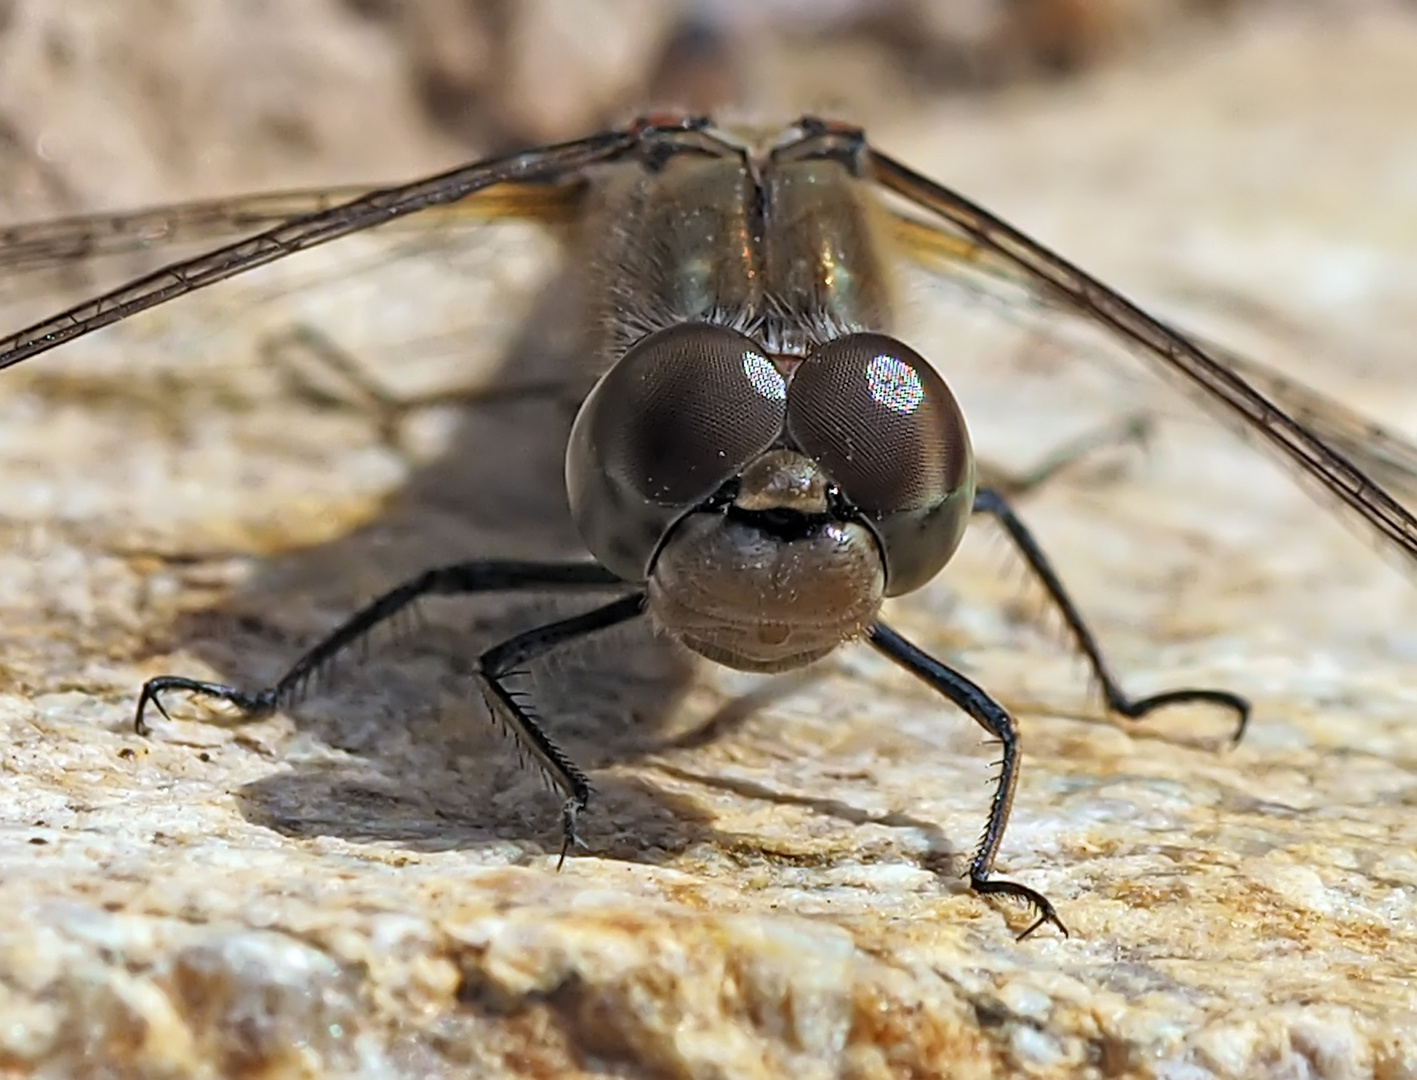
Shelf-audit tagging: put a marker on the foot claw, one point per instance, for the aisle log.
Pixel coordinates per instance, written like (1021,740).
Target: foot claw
(986,886)
(570,810)
(1135,710)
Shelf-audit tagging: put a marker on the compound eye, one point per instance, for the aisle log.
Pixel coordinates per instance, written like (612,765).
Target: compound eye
(887,430)
(681,413)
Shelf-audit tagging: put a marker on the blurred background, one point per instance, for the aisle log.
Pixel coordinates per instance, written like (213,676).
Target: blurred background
(105,105)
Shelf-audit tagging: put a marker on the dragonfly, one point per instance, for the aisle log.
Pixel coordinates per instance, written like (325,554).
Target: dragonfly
(758,463)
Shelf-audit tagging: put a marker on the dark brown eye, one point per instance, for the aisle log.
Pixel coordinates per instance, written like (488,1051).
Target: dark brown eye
(887,430)
(678,415)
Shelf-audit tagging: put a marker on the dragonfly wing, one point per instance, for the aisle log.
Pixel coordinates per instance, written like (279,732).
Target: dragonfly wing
(561,162)
(431,300)
(1353,461)
(160,232)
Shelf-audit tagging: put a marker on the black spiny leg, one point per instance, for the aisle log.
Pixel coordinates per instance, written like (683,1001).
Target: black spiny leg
(989,501)
(1133,429)
(993,718)
(460,578)
(493,666)
(357,388)
(501,660)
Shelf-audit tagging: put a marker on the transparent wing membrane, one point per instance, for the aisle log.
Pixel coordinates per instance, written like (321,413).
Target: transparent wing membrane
(85,239)
(375,208)
(423,307)
(1338,453)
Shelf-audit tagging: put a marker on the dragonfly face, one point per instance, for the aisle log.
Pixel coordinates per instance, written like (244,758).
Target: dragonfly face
(770,503)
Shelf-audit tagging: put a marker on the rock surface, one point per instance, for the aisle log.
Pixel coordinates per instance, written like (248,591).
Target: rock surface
(367,887)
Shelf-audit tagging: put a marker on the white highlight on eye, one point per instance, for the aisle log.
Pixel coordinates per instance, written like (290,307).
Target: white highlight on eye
(895,384)
(766,379)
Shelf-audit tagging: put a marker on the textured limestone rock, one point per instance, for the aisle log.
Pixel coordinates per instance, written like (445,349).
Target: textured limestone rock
(366,887)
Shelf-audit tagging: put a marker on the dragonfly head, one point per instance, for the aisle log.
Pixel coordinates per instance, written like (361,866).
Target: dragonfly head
(770,504)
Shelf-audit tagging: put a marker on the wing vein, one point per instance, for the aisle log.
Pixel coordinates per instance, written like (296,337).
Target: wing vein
(368,211)
(1088,296)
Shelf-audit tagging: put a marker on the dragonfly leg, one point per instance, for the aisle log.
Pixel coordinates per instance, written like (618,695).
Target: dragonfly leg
(316,368)
(490,575)
(1133,429)
(500,661)
(989,501)
(493,666)
(993,718)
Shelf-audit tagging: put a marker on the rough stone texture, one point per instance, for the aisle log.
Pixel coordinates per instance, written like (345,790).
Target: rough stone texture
(366,887)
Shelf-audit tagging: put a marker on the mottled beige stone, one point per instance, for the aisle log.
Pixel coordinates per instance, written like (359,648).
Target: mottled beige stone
(367,887)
